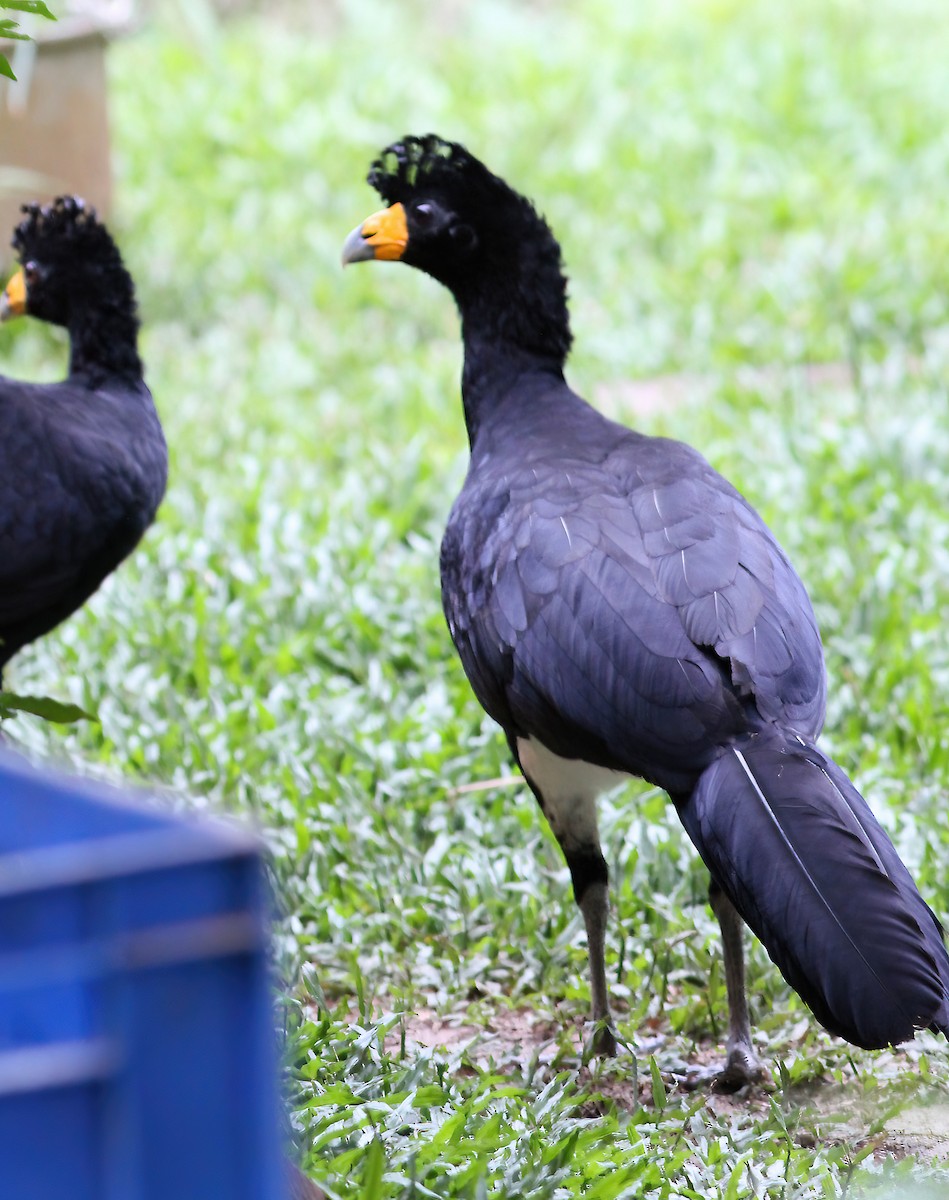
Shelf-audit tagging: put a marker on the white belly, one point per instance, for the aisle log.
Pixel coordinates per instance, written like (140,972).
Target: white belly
(569,788)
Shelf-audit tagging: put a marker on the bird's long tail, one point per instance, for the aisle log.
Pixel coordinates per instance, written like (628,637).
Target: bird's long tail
(799,853)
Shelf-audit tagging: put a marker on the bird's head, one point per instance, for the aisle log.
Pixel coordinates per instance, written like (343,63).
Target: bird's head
(448,215)
(68,260)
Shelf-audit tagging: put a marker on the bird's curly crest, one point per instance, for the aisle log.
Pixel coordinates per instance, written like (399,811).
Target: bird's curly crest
(427,161)
(68,220)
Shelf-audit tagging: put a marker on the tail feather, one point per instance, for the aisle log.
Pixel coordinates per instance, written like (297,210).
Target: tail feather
(801,856)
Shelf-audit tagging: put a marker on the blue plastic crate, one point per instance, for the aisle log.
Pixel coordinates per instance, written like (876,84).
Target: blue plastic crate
(136,1037)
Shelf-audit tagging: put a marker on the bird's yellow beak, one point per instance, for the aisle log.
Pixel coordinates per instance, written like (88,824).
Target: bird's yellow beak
(13,299)
(383,235)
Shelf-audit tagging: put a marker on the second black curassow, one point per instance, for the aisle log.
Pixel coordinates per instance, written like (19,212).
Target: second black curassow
(620,609)
(83,462)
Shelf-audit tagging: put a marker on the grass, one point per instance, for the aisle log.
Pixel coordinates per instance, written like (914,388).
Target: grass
(742,191)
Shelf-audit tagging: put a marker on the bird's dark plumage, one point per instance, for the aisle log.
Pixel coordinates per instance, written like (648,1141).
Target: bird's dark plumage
(83,462)
(790,839)
(620,608)
(628,607)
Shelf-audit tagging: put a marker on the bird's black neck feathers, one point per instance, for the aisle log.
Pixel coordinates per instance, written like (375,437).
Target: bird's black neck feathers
(80,282)
(103,341)
(509,285)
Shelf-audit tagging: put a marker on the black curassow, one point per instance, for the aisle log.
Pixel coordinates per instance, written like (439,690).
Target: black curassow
(83,462)
(620,609)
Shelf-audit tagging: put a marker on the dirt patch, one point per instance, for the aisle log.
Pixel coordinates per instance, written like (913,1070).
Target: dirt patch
(518,1042)
(921,1132)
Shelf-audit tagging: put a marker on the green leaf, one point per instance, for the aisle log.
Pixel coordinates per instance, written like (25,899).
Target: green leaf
(35,7)
(735,1181)
(57,711)
(428,1097)
(658,1087)
(372,1174)
(9,29)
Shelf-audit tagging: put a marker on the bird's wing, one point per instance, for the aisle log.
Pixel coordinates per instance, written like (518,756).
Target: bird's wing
(627,616)
(733,587)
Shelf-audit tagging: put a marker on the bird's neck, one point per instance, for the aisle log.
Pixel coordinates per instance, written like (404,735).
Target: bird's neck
(103,345)
(517,297)
(498,377)
(514,323)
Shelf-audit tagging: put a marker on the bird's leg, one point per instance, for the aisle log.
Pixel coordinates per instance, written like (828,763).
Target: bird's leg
(591,891)
(742,1065)
(566,791)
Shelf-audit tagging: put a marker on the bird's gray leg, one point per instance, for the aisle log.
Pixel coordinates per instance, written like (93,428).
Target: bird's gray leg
(591,891)
(742,1065)
(566,792)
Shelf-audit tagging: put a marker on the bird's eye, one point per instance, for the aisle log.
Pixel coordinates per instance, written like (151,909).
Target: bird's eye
(423,213)
(31,272)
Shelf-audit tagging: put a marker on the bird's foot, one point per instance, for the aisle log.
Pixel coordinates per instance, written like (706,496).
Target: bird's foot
(603,1043)
(743,1068)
